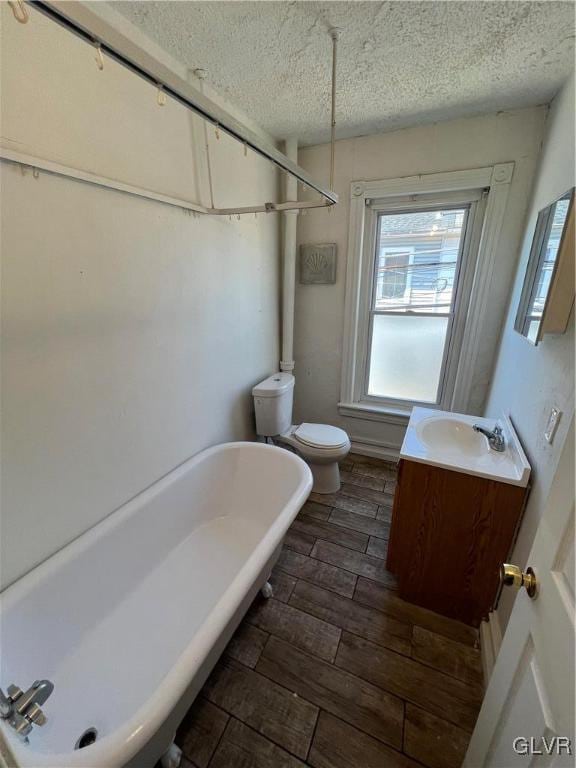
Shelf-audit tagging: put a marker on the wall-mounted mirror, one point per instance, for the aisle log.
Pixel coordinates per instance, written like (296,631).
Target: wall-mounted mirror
(548,292)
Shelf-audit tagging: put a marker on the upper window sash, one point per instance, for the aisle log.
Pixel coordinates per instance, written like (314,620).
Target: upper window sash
(411,268)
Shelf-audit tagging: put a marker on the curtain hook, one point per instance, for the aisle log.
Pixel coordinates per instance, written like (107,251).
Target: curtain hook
(19,10)
(161,98)
(35,173)
(99,57)
(245,149)
(217,132)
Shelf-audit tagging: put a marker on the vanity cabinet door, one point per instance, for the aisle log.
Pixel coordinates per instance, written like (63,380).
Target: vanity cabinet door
(450,533)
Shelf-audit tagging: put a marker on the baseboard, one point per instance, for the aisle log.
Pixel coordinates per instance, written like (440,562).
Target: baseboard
(490,642)
(375,449)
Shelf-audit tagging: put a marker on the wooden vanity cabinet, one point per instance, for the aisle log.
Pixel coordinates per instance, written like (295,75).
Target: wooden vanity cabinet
(450,533)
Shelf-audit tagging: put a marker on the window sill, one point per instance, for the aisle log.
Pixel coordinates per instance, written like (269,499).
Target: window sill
(373,412)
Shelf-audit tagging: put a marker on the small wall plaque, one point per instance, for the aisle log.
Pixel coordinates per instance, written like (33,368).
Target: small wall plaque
(318,264)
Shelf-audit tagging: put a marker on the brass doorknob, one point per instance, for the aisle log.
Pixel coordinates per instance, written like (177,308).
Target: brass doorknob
(512,576)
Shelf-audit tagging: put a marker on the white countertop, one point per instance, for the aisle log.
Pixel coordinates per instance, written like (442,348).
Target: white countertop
(447,440)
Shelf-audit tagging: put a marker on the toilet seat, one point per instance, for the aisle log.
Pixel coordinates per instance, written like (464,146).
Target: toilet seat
(321,436)
(322,447)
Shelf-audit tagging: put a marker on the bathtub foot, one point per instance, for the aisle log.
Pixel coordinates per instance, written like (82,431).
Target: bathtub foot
(172,757)
(267,591)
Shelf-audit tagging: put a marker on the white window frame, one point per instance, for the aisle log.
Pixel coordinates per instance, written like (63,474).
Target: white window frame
(474,204)
(367,199)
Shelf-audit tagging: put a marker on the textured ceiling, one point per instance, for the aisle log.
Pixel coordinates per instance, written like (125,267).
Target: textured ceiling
(400,63)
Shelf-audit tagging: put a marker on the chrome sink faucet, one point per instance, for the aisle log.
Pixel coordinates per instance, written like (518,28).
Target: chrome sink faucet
(495,438)
(22,708)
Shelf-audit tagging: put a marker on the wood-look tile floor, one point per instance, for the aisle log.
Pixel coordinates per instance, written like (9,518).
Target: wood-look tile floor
(336,671)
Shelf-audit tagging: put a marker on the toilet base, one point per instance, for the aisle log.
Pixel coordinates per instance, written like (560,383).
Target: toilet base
(326,477)
(323,462)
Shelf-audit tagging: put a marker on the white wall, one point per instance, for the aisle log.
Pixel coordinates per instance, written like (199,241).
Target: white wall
(454,145)
(528,380)
(132,332)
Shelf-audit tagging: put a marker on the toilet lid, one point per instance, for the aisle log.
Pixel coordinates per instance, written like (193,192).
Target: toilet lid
(321,435)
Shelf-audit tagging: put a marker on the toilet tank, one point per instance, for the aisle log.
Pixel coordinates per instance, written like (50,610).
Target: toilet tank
(273,399)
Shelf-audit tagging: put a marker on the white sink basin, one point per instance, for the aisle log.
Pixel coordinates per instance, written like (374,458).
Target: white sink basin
(453,435)
(448,440)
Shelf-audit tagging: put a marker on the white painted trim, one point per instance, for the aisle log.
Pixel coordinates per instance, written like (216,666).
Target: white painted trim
(486,652)
(374,448)
(352,294)
(490,642)
(450,181)
(375,413)
(497,179)
(487,251)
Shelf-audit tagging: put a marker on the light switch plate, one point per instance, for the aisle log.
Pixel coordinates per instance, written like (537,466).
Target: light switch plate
(552,425)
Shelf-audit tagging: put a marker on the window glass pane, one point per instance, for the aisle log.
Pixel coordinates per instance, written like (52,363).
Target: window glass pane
(416,260)
(544,275)
(406,357)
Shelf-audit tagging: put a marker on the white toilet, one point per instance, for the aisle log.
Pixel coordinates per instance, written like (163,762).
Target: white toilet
(320,445)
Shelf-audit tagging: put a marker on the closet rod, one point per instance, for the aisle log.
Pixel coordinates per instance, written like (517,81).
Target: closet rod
(87,24)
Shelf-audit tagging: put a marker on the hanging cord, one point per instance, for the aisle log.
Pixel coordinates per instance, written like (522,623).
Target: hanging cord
(19,10)
(201,75)
(335,35)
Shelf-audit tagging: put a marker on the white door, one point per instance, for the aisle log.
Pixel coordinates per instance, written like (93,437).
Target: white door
(530,697)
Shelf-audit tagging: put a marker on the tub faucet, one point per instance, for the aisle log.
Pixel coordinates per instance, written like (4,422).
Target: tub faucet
(22,708)
(5,705)
(495,438)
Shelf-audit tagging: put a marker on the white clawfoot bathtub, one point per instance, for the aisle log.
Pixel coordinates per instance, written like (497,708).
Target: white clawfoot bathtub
(128,620)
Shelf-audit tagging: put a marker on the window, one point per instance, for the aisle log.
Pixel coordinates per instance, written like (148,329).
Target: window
(422,257)
(391,274)
(416,268)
